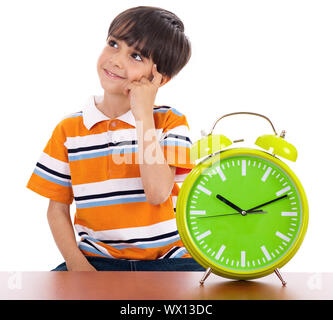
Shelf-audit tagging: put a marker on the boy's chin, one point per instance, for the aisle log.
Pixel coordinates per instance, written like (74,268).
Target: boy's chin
(116,92)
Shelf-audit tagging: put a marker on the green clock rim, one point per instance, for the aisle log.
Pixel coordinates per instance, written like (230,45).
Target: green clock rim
(183,230)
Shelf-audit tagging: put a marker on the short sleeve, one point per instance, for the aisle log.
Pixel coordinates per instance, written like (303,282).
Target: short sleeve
(176,143)
(51,177)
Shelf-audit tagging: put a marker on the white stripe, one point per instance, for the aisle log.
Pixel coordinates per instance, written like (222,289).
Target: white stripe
(289,214)
(203,189)
(102,138)
(203,235)
(181,130)
(219,253)
(110,185)
(265,176)
(243,257)
(282,236)
(221,174)
(177,252)
(174,201)
(266,253)
(98,139)
(243,167)
(282,191)
(54,164)
(198,212)
(131,233)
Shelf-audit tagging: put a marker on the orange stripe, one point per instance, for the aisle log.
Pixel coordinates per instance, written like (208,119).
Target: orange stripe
(137,253)
(127,215)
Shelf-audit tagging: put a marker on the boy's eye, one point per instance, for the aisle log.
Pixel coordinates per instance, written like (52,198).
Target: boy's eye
(113,43)
(137,57)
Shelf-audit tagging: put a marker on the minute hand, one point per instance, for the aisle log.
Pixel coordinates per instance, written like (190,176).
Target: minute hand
(268,202)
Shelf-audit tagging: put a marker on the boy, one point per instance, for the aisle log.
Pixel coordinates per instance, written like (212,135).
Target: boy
(120,157)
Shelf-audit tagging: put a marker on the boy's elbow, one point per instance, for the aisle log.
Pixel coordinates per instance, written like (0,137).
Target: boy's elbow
(157,198)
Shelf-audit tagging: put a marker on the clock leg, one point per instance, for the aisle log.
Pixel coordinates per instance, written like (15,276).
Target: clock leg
(206,275)
(277,272)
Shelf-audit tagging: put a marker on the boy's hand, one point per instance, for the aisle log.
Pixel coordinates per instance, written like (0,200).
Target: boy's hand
(142,95)
(81,264)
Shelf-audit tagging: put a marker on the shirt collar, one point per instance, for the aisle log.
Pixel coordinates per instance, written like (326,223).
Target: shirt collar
(91,115)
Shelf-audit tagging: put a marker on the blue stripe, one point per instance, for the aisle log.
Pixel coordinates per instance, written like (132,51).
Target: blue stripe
(161,111)
(166,110)
(176,112)
(92,250)
(150,245)
(179,254)
(78,114)
(140,246)
(102,153)
(178,143)
(46,177)
(109,202)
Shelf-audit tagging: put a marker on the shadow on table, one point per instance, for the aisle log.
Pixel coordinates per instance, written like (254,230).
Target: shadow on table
(248,290)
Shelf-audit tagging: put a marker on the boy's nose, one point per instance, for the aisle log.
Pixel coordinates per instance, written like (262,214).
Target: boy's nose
(116,61)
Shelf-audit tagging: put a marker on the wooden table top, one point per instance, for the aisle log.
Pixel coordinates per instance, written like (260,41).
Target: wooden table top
(120,285)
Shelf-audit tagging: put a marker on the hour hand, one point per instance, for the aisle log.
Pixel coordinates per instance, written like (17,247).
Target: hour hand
(230,204)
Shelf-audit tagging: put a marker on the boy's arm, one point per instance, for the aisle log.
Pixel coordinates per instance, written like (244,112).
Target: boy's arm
(58,215)
(157,176)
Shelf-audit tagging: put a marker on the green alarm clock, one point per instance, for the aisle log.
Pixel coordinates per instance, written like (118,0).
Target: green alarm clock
(242,213)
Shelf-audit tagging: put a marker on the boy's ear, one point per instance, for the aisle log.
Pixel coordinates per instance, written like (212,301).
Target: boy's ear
(165,80)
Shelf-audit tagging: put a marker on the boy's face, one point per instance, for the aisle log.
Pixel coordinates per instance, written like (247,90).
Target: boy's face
(118,65)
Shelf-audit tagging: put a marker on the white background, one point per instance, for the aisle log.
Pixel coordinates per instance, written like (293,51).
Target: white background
(271,57)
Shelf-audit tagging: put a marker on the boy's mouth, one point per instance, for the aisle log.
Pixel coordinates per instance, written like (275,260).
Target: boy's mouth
(112,75)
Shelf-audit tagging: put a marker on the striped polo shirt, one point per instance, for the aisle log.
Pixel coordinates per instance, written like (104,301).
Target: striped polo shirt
(95,161)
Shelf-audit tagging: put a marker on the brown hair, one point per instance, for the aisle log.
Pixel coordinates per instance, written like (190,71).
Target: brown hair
(157,34)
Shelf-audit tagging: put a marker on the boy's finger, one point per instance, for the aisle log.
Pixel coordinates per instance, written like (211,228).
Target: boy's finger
(144,80)
(128,88)
(135,83)
(157,76)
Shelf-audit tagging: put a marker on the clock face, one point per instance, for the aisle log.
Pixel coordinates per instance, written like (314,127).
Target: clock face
(243,213)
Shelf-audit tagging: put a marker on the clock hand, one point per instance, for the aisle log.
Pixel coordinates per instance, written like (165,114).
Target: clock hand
(230,204)
(268,202)
(231,214)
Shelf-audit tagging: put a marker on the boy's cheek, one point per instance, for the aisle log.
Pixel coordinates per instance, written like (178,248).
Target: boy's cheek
(125,89)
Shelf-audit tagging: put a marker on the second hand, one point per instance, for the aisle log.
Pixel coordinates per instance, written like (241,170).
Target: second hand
(232,214)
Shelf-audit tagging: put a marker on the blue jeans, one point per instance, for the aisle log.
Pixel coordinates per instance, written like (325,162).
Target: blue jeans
(107,264)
